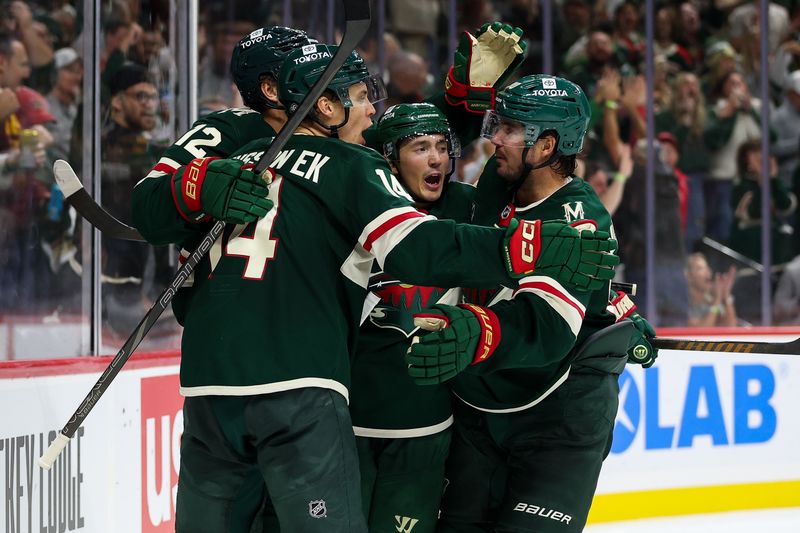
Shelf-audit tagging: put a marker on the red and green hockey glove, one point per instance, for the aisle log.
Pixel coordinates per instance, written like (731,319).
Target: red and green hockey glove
(461,336)
(640,351)
(482,63)
(581,259)
(222,189)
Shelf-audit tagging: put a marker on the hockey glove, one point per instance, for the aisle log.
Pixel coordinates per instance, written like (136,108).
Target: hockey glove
(580,259)
(641,352)
(462,335)
(222,189)
(482,63)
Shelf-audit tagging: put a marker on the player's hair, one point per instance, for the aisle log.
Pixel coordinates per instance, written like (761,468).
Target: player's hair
(564,164)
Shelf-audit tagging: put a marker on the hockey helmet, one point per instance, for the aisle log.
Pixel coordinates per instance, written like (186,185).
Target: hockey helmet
(402,121)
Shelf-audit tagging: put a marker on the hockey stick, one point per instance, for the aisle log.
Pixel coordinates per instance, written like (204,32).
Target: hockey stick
(357,21)
(110,226)
(780,348)
(77,196)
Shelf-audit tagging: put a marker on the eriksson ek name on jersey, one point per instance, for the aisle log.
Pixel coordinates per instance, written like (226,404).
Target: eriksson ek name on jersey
(306,166)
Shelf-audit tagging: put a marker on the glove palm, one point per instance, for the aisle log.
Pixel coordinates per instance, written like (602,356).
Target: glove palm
(481,63)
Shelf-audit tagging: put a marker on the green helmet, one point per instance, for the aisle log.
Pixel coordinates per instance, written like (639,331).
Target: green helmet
(543,103)
(304,66)
(262,53)
(402,121)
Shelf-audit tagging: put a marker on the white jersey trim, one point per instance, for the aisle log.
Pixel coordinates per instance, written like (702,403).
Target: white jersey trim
(380,236)
(266,388)
(557,297)
(403,433)
(357,266)
(158,169)
(538,400)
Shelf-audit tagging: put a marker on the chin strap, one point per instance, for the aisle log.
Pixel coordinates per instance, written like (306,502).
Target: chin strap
(334,129)
(527,168)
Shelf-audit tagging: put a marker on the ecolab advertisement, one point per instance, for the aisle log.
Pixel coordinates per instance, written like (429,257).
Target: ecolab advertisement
(704,432)
(698,432)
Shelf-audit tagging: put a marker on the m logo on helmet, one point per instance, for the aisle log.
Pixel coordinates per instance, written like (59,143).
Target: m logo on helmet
(549,83)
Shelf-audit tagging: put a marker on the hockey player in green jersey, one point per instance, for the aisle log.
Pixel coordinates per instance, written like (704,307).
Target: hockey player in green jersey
(276,303)
(533,370)
(483,60)
(403,430)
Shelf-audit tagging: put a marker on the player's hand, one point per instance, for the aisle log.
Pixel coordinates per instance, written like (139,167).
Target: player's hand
(482,63)
(581,259)
(462,335)
(222,189)
(641,351)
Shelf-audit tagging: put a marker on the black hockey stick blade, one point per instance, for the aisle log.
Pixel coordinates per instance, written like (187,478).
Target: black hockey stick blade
(780,348)
(357,21)
(77,196)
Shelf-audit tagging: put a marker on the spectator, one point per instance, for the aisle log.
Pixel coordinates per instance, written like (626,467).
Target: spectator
(787,56)
(786,124)
(745,19)
(408,78)
(588,58)
(733,120)
(685,120)
(215,86)
(626,34)
(14,68)
(22,195)
(690,33)
(670,155)
(473,158)
(630,220)
(20,22)
(665,45)
(414,22)
(721,60)
(577,19)
(746,201)
(127,156)
(710,300)
(786,302)
(610,190)
(63,100)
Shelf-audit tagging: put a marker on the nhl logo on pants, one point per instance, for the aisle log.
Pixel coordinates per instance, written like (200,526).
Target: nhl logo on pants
(317,509)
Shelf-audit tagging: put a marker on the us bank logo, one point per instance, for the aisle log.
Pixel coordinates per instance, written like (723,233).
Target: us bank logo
(747,416)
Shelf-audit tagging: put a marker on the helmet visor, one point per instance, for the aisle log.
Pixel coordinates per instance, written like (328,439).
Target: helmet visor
(504,131)
(368,90)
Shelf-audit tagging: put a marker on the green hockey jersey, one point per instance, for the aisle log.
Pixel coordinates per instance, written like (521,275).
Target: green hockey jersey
(276,304)
(541,320)
(384,401)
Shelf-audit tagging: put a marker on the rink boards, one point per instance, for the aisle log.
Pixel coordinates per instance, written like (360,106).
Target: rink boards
(698,432)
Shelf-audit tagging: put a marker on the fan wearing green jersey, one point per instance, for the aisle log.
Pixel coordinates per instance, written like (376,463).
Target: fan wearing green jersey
(276,303)
(403,430)
(534,368)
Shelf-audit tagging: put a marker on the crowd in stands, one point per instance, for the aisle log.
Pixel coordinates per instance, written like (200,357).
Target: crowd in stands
(708,172)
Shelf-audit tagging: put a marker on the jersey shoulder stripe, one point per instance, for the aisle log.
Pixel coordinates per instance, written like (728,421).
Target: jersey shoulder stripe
(557,297)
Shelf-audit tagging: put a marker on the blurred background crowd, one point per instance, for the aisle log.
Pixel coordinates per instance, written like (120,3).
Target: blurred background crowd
(705,149)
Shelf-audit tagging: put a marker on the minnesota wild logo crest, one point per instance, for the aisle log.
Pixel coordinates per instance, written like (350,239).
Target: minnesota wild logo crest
(399,302)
